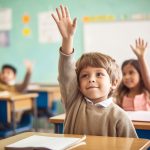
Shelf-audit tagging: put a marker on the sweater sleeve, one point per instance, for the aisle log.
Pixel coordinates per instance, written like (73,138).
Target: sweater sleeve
(67,79)
(23,86)
(125,127)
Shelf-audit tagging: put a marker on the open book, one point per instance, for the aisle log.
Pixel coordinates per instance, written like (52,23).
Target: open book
(46,143)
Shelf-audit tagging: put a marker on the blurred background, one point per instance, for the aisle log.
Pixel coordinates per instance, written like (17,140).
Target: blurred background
(27,31)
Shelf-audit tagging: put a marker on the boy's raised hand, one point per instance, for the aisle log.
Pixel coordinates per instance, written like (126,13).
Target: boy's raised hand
(139,48)
(65,25)
(29,65)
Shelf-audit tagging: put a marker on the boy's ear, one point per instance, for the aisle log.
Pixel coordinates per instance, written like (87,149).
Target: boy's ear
(114,84)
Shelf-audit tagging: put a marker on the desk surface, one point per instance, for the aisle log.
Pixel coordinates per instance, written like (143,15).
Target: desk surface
(39,88)
(52,91)
(57,119)
(137,124)
(20,102)
(92,142)
(141,125)
(14,97)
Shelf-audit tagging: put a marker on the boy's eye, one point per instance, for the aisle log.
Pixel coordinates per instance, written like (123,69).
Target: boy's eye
(98,74)
(84,75)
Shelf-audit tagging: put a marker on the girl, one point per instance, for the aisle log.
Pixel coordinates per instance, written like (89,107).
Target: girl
(134,91)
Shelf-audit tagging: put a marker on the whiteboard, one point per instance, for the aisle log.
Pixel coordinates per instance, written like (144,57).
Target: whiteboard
(114,38)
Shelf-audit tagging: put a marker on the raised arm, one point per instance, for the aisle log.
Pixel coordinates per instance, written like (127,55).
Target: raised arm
(66,68)
(66,27)
(139,50)
(23,86)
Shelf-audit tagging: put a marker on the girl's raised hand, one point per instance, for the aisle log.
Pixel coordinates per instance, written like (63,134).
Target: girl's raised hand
(65,25)
(139,48)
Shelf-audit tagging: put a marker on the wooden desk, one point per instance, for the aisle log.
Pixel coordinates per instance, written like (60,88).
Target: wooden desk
(52,91)
(92,142)
(141,125)
(59,120)
(18,103)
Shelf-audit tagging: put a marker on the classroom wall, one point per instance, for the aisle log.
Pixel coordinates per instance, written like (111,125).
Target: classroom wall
(45,56)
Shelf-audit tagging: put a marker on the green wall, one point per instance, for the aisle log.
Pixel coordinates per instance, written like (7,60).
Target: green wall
(45,56)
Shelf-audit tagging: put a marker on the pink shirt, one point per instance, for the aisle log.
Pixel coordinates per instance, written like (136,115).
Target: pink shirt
(139,102)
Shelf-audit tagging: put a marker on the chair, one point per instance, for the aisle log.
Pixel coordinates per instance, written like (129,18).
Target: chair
(43,109)
(24,125)
(8,108)
(47,101)
(145,134)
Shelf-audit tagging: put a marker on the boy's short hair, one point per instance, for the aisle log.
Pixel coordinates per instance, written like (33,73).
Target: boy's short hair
(8,66)
(99,60)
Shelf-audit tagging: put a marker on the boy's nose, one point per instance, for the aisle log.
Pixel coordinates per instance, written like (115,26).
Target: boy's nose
(92,79)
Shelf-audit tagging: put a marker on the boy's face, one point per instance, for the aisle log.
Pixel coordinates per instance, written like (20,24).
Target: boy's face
(8,75)
(95,83)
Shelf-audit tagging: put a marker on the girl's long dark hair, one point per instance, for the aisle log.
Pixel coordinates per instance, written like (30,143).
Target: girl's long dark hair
(122,89)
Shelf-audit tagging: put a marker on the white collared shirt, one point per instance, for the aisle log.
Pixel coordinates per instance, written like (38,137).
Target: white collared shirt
(13,82)
(104,103)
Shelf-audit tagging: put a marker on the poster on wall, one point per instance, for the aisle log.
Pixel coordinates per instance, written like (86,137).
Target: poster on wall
(114,37)
(4,38)
(48,31)
(5,19)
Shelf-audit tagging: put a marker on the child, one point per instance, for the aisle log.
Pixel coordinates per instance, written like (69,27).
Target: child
(8,77)
(134,91)
(7,83)
(86,90)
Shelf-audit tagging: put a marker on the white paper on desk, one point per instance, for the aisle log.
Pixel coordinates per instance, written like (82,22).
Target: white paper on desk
(139,115)
(4,93)
(33,87)
(45,142)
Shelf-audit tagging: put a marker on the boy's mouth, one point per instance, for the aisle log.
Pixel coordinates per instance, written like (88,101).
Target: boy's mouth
(92,87)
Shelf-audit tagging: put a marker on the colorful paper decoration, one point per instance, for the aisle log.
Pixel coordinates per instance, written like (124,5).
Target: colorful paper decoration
(26,31)
(26,19)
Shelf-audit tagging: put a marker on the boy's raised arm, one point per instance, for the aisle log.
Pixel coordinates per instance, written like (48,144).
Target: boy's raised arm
(66,27)
(23,86)
(139,50)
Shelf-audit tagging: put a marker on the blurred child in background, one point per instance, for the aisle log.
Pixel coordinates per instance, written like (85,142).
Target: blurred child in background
(8,85)
(8,78)
(134,91)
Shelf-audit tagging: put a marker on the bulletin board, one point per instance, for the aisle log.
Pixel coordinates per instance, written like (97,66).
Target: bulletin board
(114,38)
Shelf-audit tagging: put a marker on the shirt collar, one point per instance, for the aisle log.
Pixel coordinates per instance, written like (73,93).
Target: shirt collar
(104,103)
(12,82)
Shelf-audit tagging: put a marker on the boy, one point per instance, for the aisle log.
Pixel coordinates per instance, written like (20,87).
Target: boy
(7,83)
(8,77)
(86,90)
